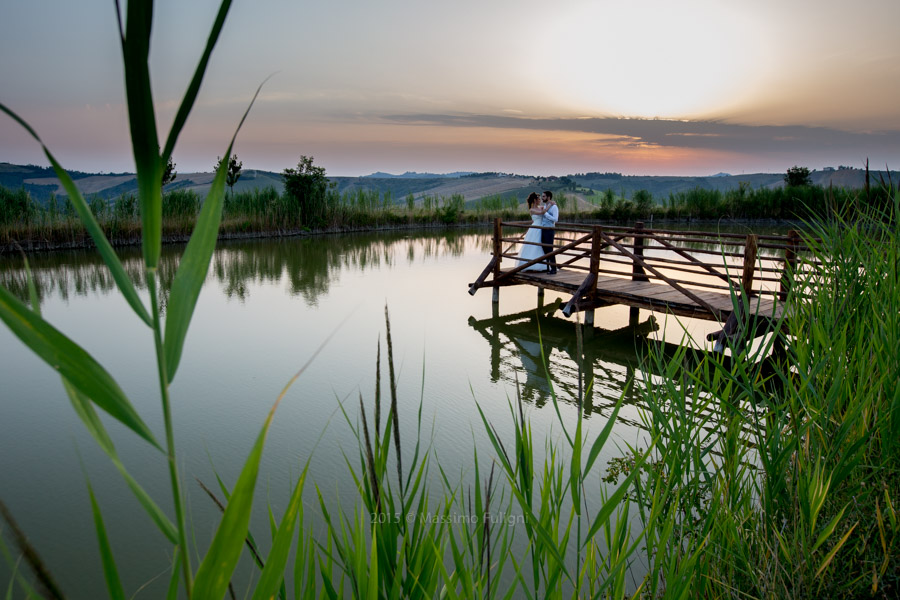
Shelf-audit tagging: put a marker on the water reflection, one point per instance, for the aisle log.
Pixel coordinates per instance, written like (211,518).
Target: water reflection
(611,358)
(616,361)
(310,265)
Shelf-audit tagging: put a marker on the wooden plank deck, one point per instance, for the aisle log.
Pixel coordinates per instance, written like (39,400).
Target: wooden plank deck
(651,295)
(591,274)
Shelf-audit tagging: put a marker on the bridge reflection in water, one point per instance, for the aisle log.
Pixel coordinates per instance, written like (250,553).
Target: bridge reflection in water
(537,354)
(523,343)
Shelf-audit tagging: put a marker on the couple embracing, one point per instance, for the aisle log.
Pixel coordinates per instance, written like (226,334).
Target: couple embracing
(539,237)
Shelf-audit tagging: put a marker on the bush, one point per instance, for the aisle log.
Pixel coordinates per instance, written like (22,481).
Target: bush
(305,190)
(180,204)
(15,206)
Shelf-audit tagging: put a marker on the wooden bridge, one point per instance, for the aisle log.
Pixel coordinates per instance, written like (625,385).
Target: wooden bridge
(730,278)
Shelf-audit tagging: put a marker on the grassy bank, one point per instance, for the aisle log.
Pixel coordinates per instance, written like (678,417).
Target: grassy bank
(791,489)
(266,212)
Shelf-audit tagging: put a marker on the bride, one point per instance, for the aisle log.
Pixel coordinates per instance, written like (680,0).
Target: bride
(531,248)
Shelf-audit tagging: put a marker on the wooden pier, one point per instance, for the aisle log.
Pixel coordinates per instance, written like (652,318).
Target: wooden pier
(741,281)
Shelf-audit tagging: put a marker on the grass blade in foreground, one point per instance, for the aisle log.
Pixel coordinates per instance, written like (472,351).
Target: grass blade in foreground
(92,423)
(142,121)
(187,103)
(113,582)
(273,572)
(72,362)
(93,228)
(45,581)
(221,558)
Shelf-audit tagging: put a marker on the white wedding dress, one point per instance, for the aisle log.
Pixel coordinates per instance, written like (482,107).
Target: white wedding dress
(531,251)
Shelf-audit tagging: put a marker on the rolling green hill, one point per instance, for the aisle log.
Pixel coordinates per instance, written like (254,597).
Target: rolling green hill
(40,182)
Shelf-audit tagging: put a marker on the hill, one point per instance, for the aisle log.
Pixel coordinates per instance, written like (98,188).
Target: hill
(40,182)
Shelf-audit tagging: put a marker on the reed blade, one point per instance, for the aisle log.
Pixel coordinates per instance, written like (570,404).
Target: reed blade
(613,501)
(123,282)
(174,579)
(85,411)
(110,571)
(190,96)
(195,263)
(598,444)
(273,574)
(221,559)
(72,362)
(46,583)
(142,123)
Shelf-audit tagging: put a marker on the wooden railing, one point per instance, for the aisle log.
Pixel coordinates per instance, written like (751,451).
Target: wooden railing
(685,260)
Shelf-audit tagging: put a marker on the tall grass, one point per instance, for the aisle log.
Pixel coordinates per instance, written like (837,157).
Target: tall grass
(779,469)
(257,212)
(86,382)
(268,212)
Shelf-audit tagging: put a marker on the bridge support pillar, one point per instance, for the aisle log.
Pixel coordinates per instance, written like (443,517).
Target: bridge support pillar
(495,297)
(589,318)
(634,314)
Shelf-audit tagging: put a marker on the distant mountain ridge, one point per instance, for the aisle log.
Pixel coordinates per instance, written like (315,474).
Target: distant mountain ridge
(41,182)
(414,175)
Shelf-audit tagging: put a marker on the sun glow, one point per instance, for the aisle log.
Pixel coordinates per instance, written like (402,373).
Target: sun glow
(654,59)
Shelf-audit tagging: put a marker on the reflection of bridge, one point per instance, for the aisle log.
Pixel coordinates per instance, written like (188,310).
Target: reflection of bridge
(544,350)
(532,350)
(685,273)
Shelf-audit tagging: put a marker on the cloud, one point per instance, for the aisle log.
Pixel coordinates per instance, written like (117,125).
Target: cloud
(698,135)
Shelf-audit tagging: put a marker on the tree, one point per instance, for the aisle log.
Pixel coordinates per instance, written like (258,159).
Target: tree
(169,174)
(234,171)
(643,201)
(797,176)
(306,187)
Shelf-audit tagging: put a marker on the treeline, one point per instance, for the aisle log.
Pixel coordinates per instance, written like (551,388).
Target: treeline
(304,206)
(808,202)
(310,202)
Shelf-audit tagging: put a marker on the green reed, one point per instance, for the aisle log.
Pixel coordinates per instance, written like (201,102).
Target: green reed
(777,470)
(269,212)
(497,202)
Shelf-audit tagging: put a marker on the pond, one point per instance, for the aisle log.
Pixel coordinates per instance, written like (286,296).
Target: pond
(268,308)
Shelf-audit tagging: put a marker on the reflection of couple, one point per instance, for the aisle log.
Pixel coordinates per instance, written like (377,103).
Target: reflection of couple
(536,387)
(544,214)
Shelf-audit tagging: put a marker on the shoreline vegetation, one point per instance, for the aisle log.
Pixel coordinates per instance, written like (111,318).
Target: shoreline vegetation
(314,207)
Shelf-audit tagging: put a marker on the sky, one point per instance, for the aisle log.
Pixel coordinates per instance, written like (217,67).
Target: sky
(640,87)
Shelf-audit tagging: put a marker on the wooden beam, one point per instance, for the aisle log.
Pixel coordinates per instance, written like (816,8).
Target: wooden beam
(586,285)
(790,263)
(749,265)
(637,271)
(693,259)
(515,270)
(473,287)
(714,311)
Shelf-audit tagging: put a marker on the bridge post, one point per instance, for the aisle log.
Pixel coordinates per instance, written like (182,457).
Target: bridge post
(595,271)
(498,256)
(637,271)
(790,263)
(750,249)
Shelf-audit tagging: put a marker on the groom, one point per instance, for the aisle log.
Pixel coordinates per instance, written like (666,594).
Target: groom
(549,221)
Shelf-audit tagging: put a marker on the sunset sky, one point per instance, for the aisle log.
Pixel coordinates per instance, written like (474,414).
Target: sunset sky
(651,87)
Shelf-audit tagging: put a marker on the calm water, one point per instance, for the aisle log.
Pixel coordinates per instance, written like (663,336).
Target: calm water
(265,308)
